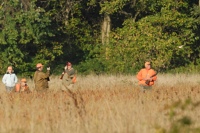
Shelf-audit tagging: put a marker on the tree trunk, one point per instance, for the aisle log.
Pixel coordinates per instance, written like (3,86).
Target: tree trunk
(105,32)
(68,7)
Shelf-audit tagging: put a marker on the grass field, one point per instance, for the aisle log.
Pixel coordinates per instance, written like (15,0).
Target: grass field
(98,104)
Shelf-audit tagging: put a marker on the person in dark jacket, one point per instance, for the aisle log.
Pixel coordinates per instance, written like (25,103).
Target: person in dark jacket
(41,79)
(69,77)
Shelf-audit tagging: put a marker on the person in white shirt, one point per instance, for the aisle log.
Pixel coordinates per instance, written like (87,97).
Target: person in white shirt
(9,79)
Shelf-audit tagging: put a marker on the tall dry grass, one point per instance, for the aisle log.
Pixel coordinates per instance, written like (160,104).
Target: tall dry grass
(97,104)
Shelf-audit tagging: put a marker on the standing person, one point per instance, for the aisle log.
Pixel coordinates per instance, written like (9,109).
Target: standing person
(9,79)
(146,77)
(41,79)
(68,77)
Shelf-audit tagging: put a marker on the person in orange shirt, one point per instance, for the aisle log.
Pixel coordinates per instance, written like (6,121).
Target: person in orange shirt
(146,76)
(22,86)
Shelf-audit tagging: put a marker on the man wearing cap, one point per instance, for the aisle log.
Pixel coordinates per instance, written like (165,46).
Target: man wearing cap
(41,78)
(69,77)
(146,77)
(9,79)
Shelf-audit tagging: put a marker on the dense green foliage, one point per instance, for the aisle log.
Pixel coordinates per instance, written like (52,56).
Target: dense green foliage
(165,32)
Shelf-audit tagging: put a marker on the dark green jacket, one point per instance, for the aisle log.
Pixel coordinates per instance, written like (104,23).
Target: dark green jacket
(68,76)
(41,80)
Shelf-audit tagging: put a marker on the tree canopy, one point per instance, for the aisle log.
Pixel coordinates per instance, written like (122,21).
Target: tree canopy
(115,36)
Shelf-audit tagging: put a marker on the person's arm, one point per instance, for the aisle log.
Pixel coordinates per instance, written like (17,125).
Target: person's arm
(48,73)
(154,77)
(4,79)
(74,78)
(72,73)
(139,75)
(43,75)
(16,79)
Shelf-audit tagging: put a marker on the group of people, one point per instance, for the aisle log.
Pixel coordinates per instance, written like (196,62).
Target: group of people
(146,77)
(40,79)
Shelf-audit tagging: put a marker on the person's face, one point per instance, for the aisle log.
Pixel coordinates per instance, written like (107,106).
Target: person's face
(23,83)
(10,69)
(148,66)
(41,68)
(69,67)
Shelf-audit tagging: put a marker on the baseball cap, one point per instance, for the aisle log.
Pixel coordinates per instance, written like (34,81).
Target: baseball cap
(39,65)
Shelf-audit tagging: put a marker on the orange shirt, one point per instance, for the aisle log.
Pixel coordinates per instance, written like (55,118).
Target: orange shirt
(145,73)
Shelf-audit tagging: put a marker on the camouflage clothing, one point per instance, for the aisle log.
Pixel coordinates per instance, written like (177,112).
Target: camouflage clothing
(41,80)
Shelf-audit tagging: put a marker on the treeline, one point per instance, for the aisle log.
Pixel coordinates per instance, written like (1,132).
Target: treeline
(115,36)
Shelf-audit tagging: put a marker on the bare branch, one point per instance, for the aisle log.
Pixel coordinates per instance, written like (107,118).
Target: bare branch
(135,17)
(125,13)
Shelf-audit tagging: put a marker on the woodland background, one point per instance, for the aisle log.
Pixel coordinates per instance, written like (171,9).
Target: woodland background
(100,36)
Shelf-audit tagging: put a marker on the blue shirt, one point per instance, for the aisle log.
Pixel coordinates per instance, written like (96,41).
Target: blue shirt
(9,79)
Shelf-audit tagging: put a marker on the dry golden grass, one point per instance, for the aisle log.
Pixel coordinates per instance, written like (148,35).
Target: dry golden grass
(97,104)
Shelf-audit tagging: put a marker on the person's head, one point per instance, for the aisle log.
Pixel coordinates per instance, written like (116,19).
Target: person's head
(10,69)
(69,65)
(23,82)
(147,65)
(39,66)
